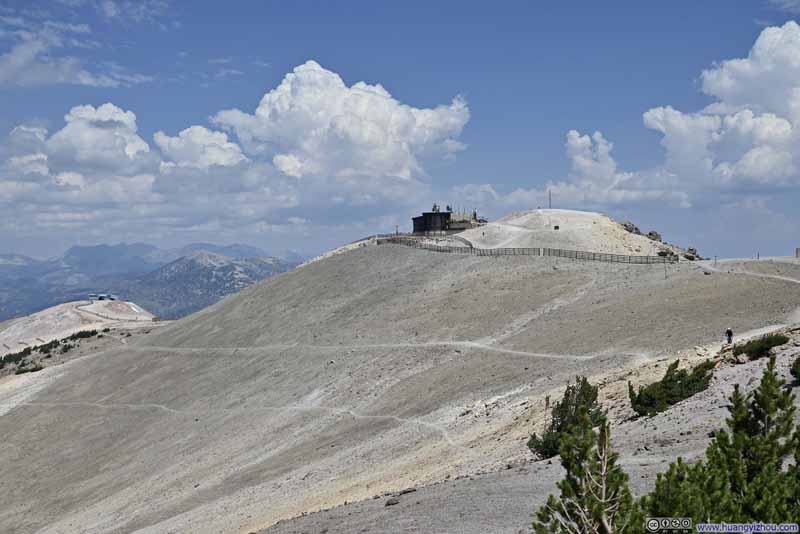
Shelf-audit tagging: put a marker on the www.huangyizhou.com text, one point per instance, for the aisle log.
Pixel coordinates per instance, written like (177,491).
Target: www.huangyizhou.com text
(747,527)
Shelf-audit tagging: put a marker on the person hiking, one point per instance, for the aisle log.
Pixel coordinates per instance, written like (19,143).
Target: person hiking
(729,335)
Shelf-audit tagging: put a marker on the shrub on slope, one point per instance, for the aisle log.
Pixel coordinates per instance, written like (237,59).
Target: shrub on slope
(673,388)
(24,370)
(21,358)
(758,348)
(82,334)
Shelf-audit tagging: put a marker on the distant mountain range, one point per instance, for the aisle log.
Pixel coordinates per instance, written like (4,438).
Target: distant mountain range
(169,283)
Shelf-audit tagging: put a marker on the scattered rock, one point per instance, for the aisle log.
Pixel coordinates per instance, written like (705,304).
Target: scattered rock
(392,502)
(655,236)
(691,251)
(632,228)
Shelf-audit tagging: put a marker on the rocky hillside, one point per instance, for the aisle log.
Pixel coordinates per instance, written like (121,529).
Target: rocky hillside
(568,229)
(565,229)
(361,374)
(195,281)
(66,319)
(28,285)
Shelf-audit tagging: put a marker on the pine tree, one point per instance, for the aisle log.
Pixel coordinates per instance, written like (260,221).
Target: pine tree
(742,478)
(682,491)
(578,397)
(595,498)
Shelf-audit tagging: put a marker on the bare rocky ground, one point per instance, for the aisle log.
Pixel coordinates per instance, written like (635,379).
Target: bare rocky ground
(369,371)
(60,321)
(505,500)
(15,389)
(565,229)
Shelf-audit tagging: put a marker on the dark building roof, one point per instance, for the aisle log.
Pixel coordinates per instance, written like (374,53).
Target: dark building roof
(431,221)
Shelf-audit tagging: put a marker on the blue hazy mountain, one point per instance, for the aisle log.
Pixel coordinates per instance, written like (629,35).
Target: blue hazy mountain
(168,282)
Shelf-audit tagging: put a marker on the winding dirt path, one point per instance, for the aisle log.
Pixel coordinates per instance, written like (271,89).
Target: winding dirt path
(456,344)
(291,408)
(708,266)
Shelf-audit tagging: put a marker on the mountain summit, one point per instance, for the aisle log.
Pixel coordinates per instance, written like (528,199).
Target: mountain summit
(195,281)
(361,374)
(565,229)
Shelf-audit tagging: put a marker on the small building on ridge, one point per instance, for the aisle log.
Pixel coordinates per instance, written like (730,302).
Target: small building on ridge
(437,222)
(431,222)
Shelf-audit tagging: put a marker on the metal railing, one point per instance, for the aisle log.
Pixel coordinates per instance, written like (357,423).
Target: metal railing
(415,242)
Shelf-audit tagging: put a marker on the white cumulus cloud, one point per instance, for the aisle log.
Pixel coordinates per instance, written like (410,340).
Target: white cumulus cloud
(593,182)
(748,137)
(765,81)
(313,124)
(735,161)
(313,147)
(198,147)
(99,137)
(591,157)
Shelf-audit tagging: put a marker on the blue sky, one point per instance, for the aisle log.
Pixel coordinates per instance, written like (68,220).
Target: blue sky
(464,102)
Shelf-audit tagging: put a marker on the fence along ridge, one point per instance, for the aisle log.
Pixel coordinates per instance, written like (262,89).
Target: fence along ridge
(534,251)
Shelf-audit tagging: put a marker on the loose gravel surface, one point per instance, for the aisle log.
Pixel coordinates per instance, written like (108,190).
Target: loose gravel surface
(367,372)
(565,229)
(504,501)
(58,322)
